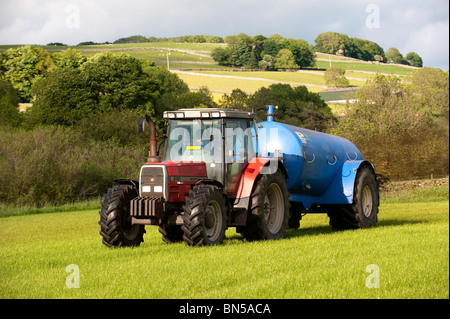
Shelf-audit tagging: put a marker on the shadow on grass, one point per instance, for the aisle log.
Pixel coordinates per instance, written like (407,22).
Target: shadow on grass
(399,222)
(327,229)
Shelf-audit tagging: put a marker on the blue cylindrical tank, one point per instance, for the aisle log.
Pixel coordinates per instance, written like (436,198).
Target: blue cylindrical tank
(311,158)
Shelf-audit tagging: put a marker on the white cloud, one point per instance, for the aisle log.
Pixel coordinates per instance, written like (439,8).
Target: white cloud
(409,25)
(432,42)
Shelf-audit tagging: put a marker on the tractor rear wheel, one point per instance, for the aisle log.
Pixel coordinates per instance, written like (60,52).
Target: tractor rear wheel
(363,213)
(115,220)
(269,214)
(205,216)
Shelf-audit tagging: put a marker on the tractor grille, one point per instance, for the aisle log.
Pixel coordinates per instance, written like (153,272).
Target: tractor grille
(147,207)
(152,181)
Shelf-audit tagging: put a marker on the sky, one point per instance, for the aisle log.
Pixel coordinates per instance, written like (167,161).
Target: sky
(420,26)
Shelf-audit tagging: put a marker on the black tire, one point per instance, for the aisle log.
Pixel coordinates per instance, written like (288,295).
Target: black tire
(363,213)
(269,212)
(171,234)
(115,220)
(205,216)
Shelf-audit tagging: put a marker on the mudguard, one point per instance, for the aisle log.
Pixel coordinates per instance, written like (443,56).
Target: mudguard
(127,181)
(341,189)
(247,181)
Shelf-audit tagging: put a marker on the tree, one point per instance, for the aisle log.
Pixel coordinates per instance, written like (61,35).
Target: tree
(9,99)
(249,52)
(241,53)
(238,100)
(214,39)
(222,55)
(132,39)
(429,88)
(267,63)
(414,59)
(62,98)
(363,49)
(201,98)
(303,53)
(2,64)
(397,128)
(252,62)
(25,65)
(117,81)
(341,44)
(105,82)
(297,106)
(331,42)
(271,47)
(71,58)
(393,55)
(285,60)
(232,40)
(335,77)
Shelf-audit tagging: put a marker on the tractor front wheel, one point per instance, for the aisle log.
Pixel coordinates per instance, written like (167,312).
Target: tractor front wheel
(115,220)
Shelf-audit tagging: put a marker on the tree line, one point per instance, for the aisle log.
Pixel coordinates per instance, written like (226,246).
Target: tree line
(341,44)
(402,127)
(270,53)
(143,39)
(276,52)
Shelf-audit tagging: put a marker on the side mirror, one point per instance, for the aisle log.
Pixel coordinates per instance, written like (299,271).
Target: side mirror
(141,125)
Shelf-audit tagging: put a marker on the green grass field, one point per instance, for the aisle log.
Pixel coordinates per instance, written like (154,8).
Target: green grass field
(368,67)
(246,81)
(410,247)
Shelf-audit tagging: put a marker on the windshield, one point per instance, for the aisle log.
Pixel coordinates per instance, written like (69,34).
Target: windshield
(197,140)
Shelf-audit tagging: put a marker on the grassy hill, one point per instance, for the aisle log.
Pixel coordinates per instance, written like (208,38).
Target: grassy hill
(193,63)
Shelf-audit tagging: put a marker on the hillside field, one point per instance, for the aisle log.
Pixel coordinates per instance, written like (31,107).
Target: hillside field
(195,58)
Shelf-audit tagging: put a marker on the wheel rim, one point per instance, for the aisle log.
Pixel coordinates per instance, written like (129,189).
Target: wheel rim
(367,201)
(274,208)
(213,220)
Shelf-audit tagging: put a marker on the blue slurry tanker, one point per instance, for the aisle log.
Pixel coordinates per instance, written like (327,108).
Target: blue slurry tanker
(220,169)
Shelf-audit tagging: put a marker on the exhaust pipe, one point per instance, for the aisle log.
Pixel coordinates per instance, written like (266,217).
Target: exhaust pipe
(153,153)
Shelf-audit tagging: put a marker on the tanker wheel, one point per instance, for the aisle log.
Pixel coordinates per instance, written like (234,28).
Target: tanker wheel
(269,213)
(363,213)
(115,220)
(205,216)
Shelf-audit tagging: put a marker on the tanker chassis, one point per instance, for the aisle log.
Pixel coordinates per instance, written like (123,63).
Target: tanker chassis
(221,169)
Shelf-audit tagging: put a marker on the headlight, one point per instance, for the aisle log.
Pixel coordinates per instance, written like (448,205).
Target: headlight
(146,189)
(157,189)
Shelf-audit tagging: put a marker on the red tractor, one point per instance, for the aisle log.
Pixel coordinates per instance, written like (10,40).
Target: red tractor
(221,169)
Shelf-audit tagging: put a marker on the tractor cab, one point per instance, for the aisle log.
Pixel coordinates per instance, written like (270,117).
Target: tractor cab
(223,141)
